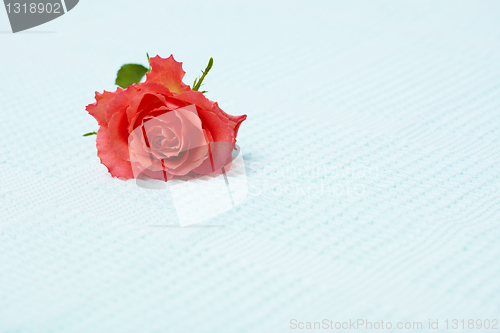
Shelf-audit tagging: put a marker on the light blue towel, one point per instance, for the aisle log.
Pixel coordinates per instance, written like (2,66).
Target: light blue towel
(372,162)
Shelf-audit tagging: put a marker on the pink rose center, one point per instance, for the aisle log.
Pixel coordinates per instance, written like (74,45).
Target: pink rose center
(172,142)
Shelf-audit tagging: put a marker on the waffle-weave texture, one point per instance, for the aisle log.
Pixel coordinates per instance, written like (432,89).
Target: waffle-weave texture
(372,158)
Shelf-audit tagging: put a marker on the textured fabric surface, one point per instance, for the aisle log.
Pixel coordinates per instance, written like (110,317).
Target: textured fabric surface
(372,158)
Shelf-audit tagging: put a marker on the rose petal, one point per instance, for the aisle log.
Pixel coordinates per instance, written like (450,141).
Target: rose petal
(117,129)
(167,72)
(197,98)
(98,109)
(220,155)
(167,120)
(120,101)
(145,103)
(211,117)
(116,166)
(157,88)
(234,121)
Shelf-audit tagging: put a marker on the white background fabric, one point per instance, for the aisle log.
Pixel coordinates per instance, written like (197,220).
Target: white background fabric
(397,100)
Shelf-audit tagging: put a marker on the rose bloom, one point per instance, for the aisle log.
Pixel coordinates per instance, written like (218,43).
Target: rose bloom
(161,128)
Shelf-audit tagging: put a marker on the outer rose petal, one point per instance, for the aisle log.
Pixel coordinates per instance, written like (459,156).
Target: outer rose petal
(119,103)
(98,109)
(210,114)
(117,131)
(167,72)
(197,98)
(220,155)
(116,166)
(234,121)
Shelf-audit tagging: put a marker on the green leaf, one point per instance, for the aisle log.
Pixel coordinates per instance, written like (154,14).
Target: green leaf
(90,133)
(197,82)
(130,74)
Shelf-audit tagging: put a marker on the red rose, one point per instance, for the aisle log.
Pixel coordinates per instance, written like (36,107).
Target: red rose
(162,128)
